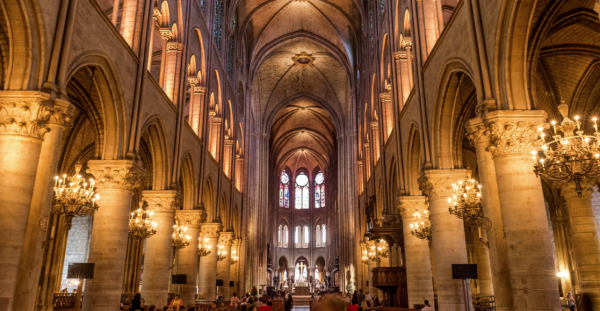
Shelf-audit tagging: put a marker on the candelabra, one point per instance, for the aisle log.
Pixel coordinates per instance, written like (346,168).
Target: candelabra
(421,228)
(466,201)
(234,258)
(372,254)
(141,225)
(180,238)
(73,196)
(221,253)
(204,248)
(572,156)
(382,249)
(365,257)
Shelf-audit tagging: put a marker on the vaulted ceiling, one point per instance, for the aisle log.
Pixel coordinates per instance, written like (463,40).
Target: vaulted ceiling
(301,102)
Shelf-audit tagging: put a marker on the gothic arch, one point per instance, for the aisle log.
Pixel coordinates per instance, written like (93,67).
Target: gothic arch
(188,181)
(157,142)
(414,160)
(208,199)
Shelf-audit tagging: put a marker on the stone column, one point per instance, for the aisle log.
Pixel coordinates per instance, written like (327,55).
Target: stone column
(370,266)
(116,181)
(214,135)
(159,248)
(207,276)
(479,135)
(133,267)
(196,109)
(407,45)
(447,236)
(223,266)
(23,117)
(239,173)
(402,77)
(166,35)
(482,259)
(419,277)
(525,223)
(584,232)
(32,257)
(173,52)
(188,256)
(228,156)
(234,272)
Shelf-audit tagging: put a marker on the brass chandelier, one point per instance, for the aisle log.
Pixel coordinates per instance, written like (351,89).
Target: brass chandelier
(141,225)
(466,200)
(180,238)
(234,258)
(382,249)
(570,156)
(221,253)
(421,228)
(204,247)
(73,195)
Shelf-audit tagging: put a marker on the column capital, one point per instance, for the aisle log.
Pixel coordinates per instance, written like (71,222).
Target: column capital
(408,205)
(437,184)
(569,189)
(515,131)
(190,218)
(228,142)
(386,96)
(374,124)
(200,90)
(174,46)
(225,238)
(236,242)
(27,113)
(166,33)
(217,120)
(211,230)
(192,81)
(400,55)
(407,43)
(477,131)
(116,174)
(162,201)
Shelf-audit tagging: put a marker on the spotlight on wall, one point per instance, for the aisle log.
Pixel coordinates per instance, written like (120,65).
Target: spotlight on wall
(562,274)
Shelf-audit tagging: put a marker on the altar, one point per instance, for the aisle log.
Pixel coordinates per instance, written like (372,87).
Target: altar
(302,287)
(302,291)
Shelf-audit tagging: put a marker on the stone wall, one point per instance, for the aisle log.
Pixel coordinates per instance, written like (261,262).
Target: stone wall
(596,203)
(77,247)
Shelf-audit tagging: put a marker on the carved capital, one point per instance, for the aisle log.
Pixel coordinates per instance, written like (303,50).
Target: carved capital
(408,205)
(62,113)
(407,43)
(400,55)
(569,189)
(217,120)
(166,33)
(236,242)
(374,124)
(116,174)
(226,238)
(514,131)
(166,201)
(192,81)
(156,13)
(26,114)
(190,218)
(438,183)
(477,131)
(174,46)
(385,96)
(211,230)
(199,90)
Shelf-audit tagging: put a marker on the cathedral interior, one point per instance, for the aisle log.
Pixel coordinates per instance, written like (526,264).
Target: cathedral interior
(207,148)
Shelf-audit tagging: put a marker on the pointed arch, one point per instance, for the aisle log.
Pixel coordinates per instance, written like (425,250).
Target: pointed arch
(207,199)
(154,137)
(188,182)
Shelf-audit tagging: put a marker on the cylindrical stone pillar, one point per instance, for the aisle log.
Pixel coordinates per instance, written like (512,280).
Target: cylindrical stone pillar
(529,248)
(207,275)
(159,248)
(371,264)
(115,180)
(223,266)
(188,256)
(479,135)
(584,232)
(447,236)
(234,272)
(482,259)
(419,278)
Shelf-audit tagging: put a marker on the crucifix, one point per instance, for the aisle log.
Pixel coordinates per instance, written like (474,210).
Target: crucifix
(301,266)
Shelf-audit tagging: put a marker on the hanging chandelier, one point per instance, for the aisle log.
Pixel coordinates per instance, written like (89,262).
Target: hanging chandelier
(421,228)
(73,195)
(234,258)
(365,257)
(466,201)
(180,238)
(221,253)
(383,250)
(372,254)
(204,247)
(570,156)
(141,225)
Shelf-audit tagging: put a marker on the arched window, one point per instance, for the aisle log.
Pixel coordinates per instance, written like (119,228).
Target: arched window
(319,190)
(286,236)
(297,236)
(324,236)
(218,23)
(279,236)
(318,236)
(306,241)
(302,194)
(284,190)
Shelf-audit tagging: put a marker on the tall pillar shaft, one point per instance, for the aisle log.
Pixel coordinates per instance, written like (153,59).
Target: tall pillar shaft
(22,128)
(482,259)
(235,268)
(207,276)
(584,232)
(159,247)
(447,236)
(197,109)
(371,265)
(223,266)
(525,223)
(479,136)
(173,53)
(419,278)
(133,267)
(188,256)
(116,180)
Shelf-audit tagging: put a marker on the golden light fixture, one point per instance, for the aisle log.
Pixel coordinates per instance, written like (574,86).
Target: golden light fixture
(204,247)
(570,156)
(73,195)
(221,253)
(382,249)
(234,258)
(421,228)
(141,225)
(180,238)
(303,59)
(466,201)
(365,257)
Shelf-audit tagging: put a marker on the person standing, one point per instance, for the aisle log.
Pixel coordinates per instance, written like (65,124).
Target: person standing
(571,301)
(176,303)
(361,297)
(234,301)
(136,303)
(427,306)
(355,299)
(288,301)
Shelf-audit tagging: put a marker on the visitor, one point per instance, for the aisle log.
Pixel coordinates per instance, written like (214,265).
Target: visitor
(257,303)
(361,297)
(376,301)
(152,308)
(571,301)
(264,306)
(136,303)
(219,300)
(75,291)
(176,303)
(355,299)
(363,306)
(427,306)
(213,307)
(234,301)
(288,301)
(65,290)
(247,298)
(165,308)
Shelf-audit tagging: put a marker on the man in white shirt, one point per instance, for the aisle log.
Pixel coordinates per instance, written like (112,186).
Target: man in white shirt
(427,306)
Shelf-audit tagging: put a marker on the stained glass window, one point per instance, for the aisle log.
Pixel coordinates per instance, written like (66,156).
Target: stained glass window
(203,5)
(319,190)
(230,55)
(302,193)
(382,5)
(218,23)
(284,192)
